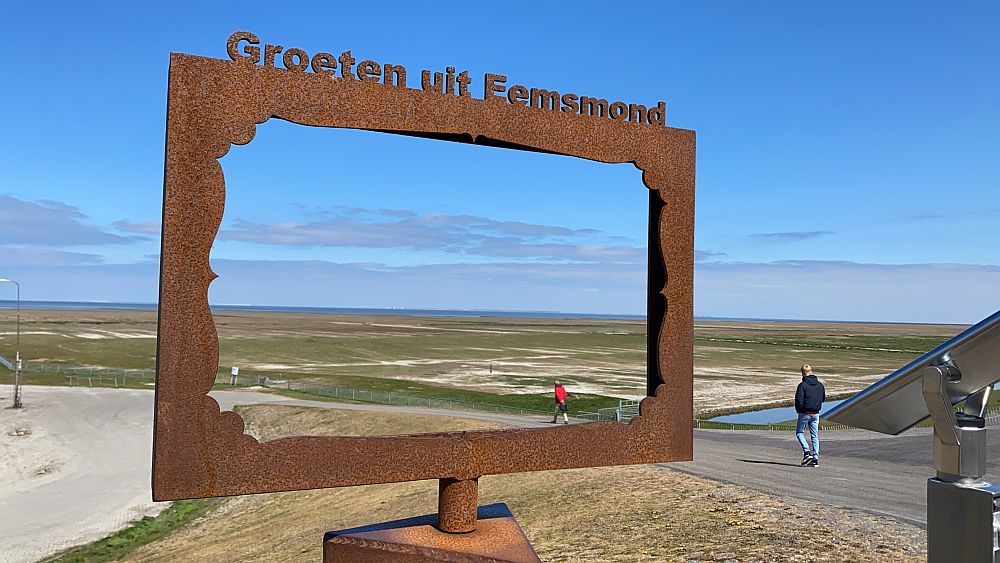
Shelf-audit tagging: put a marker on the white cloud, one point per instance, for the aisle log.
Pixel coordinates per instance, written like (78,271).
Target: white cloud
(840,290)
(49,223)
(795,236)
(933,293)
(142,228)
(460,234)
(14,255)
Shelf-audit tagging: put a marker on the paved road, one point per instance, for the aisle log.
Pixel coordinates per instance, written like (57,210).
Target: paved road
(83,470)
(881,474)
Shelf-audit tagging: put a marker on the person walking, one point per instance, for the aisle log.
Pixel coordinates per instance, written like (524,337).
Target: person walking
(809,397)
(560,393)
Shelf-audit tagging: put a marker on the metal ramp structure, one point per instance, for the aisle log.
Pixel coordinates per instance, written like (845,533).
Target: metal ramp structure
(963,511)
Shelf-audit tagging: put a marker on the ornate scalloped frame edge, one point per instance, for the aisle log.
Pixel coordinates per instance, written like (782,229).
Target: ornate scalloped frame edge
(199,451)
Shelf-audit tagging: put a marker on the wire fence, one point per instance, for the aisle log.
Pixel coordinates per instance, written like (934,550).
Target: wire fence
(712,425)
(95,376)
(624,412)
(87,371)
(389,398)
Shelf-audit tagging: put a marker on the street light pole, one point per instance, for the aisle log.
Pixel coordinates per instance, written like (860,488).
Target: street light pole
(17,347)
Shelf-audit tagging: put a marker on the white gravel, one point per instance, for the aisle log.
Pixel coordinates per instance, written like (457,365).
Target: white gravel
(74,467)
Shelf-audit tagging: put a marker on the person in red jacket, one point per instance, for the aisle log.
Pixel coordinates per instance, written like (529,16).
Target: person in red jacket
(560,392)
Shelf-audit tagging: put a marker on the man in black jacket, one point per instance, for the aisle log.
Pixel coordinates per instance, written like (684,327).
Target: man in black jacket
(809,397)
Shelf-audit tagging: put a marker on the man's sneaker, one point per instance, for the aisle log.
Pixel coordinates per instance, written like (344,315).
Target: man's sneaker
(806,458)
(813,462)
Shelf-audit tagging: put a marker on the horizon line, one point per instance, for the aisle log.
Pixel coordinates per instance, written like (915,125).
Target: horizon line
(35,304)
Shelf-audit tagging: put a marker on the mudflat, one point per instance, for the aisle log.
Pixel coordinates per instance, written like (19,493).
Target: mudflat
(739,365)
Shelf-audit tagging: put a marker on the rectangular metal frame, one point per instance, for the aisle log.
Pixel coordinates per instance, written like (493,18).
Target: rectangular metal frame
(199,451)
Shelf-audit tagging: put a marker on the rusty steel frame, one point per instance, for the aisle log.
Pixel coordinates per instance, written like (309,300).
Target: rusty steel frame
(199,451)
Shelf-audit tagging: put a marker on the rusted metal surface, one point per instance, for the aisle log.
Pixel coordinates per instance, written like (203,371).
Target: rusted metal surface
(200,452)
(458,501)
(497,538)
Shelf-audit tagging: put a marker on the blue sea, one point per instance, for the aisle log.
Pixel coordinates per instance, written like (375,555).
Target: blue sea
(395,311)
(402,311)
(78,305)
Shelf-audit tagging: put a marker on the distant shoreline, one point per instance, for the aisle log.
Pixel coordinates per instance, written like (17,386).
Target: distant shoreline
(404,312)
(91,305)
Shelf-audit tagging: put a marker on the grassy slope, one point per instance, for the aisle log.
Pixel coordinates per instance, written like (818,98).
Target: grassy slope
(638,513)
(142,532)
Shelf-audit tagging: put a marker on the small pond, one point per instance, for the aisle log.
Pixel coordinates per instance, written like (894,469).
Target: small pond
(768,416)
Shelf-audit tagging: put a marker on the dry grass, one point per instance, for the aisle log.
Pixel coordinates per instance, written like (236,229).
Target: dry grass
(640,513)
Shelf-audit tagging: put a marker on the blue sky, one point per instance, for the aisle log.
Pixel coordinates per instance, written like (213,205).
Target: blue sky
(847,162)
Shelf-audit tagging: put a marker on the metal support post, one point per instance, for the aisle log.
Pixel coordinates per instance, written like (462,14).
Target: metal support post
(962,517)
(17,347)
(458,502)
(17,381)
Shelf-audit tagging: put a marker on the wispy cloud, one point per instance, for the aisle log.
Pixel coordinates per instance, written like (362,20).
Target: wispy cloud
(793,289)
(506,285)
(46,256)
(462,234)
(972,213)
(705,255)
(143,228)
(843,290)
(51,224)
(794,236)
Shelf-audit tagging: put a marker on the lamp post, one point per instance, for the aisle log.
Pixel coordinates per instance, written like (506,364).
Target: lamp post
(17,347)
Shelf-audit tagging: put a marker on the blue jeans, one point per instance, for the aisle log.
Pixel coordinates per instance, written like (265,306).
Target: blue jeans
(813,421)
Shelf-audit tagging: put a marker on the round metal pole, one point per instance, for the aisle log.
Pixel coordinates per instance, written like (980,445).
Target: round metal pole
(17,347)
(17,353)
(17,324)
(458,502)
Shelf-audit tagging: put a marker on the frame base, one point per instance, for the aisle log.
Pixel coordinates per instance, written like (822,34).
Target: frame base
(497,538)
